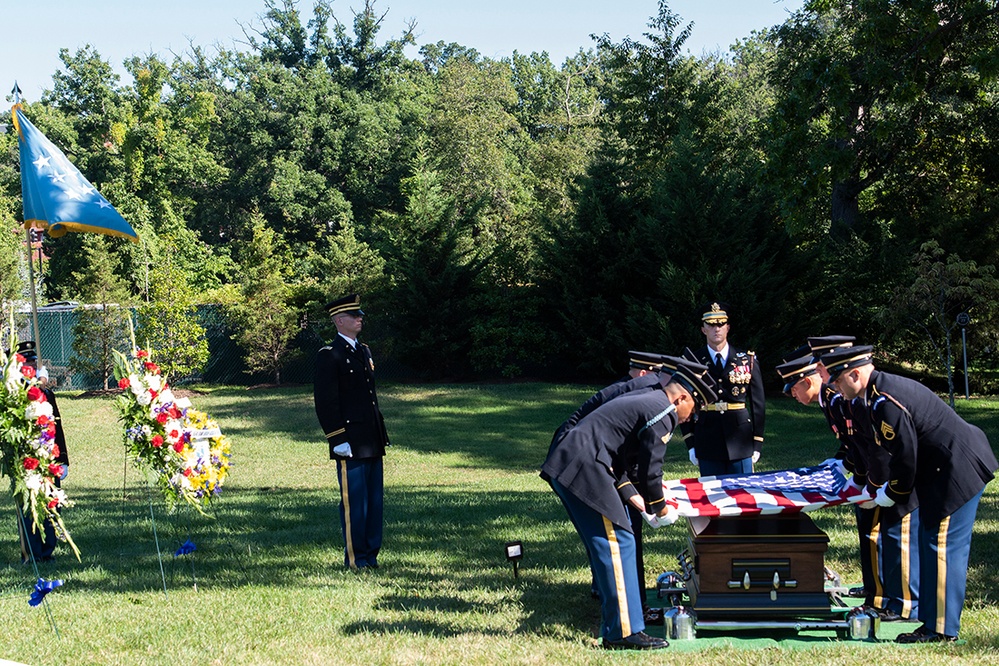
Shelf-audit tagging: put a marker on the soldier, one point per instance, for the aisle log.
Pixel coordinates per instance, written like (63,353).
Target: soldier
(728,435)
(348,412)
(585,469)
(889,563)
(940,456)
(36,546)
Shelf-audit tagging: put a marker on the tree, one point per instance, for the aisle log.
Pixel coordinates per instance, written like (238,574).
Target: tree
(941,287)
(103,319)
(168,322)
(265,321)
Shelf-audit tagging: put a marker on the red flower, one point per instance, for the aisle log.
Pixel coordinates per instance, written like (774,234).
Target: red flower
(19,358)
(55,470)
(152,393)
(162,417)
(30,463)
(53,503)
(35,394)
(157,441)
(28,371)
(124,383)
(42,421)
(178,447)
(142,353)
(187,471)
(55,450)
(151,367)
(174,412)
(174,434)
(51,429)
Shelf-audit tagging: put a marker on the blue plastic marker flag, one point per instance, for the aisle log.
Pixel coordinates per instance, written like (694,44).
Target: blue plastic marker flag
(42,587)
(56,195)
(185,548)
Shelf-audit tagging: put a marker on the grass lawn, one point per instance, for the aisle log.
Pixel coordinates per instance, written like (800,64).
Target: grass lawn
(266,584)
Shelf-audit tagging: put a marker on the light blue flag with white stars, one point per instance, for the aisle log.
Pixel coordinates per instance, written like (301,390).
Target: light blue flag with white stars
(56,195)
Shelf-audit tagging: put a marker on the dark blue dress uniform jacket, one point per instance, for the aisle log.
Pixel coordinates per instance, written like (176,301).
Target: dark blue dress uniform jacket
(935,452)
(736,433)
(346,402)
(594,456)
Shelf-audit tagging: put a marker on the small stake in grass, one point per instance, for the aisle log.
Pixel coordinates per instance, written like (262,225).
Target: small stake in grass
(514,553)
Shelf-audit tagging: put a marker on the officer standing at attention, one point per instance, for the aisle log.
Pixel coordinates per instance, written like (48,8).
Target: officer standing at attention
(585,470)
(36,546)
(728,434)
(942,457)
(347,407)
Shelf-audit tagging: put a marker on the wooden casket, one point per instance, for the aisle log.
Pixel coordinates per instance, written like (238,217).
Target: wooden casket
(756,567)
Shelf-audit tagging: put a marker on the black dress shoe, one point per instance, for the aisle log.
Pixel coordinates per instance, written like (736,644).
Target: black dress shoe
(637,641)
(888,615)
(924,635)
(857,592)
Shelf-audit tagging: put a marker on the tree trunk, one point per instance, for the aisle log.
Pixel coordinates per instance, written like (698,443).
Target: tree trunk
(845,209)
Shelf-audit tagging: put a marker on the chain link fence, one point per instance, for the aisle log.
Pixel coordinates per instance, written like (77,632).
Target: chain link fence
(226,364)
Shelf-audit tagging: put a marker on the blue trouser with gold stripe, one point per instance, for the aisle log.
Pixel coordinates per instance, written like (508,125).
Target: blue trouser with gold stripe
(361,503)
(889,560)
(612,557)
(943,575)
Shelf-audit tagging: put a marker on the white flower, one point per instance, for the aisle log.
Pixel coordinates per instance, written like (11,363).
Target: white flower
(136,385)
(182,403)
(153,382)
(36,409)
(166,396)
(144,398)
(33,481)
(13,378)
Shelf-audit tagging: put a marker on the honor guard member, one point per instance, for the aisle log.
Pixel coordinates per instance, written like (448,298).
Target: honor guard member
(586,468)
(937,454)
(347,407)
(889,562)
(728,434)
(643,375)
(36,546)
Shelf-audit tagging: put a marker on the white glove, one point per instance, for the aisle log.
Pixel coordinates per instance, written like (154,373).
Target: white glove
(834,462)
(854,486)
(756,456)
(343,450)
(882,498)
(669,517)
(869,504)
(693,456)
(651,519)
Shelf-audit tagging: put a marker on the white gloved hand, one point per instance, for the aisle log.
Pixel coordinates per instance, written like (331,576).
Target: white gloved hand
(869,504)
(343,450)
(834,462)
(851,484)
(693,456)
(651,519)
(670,517)
(756,456)
(882,498)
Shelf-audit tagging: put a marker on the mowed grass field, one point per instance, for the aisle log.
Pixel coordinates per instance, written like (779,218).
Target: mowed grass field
(266,584)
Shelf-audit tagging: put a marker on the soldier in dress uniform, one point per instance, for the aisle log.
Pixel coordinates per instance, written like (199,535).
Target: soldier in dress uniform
(889,563)
(940,456)
(41,547)
(588,467)
(643,375)
(728,435)
(347,407)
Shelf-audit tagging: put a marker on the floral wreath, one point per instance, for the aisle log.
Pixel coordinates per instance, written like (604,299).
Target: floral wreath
(182,448)
(28,450)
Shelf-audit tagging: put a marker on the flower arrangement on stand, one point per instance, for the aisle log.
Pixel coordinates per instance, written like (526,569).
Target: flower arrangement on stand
(28,450)
(178,447)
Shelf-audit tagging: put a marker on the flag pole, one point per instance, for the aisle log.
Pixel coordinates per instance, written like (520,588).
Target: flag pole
(16,92)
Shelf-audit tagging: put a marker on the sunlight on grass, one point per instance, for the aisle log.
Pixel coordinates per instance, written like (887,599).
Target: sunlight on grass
(461,480)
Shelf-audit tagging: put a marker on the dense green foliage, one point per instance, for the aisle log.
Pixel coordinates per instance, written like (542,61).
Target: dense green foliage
(521,217)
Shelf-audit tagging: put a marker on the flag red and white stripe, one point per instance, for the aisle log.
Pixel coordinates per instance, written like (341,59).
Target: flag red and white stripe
(802,489)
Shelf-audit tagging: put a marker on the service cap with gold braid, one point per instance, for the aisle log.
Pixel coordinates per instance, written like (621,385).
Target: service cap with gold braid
(715,313)
(351,303)
(692,376)
(795,370)
(822,344)
(841,359)
(645,361)
(28,350)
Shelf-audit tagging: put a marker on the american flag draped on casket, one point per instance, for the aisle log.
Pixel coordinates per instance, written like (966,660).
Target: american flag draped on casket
(790,490)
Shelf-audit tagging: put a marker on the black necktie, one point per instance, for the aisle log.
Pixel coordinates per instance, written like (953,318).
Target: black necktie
(718,362)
